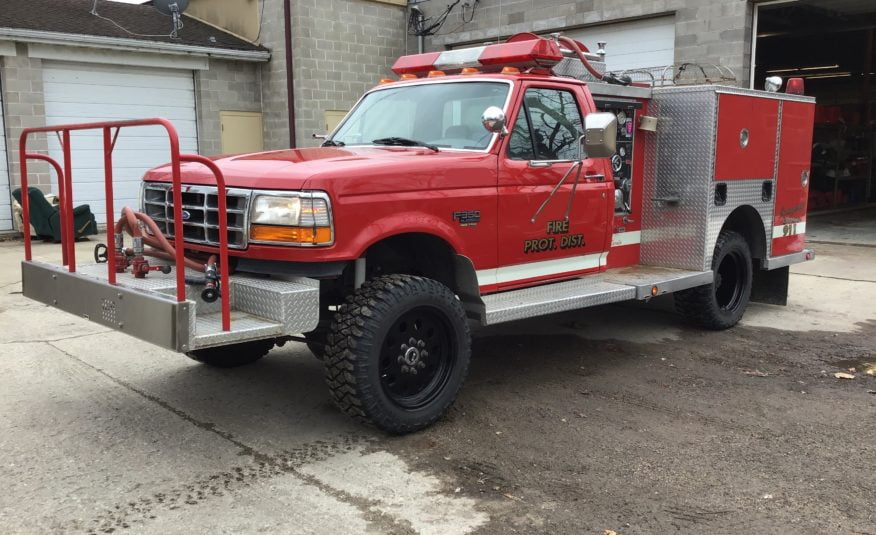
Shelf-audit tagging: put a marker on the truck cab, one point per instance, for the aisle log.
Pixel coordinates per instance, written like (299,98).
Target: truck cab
(482,186)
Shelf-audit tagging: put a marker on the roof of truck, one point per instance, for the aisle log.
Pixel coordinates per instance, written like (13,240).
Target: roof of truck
(596,88)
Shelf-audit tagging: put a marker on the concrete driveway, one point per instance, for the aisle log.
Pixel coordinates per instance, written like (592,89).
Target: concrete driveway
(617,418)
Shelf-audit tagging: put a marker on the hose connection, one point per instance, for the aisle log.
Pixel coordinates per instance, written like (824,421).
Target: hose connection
(149,241)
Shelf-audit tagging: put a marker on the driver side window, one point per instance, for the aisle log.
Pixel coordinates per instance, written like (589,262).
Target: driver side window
(548,126)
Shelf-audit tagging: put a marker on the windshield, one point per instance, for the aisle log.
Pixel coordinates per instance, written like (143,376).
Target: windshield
(446,115)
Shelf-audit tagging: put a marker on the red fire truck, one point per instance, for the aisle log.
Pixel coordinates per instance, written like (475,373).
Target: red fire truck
(485,185)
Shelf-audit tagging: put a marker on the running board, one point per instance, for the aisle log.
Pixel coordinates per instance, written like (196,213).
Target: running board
(621,284)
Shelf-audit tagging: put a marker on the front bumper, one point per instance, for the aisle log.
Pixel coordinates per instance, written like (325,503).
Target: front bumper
(147,309)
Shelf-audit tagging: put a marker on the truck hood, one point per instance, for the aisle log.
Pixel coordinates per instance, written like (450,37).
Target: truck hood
(292,169)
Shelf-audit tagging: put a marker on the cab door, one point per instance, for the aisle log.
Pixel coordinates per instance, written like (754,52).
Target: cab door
(569,236)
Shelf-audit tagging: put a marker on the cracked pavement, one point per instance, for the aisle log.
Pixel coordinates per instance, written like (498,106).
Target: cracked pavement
(618,418)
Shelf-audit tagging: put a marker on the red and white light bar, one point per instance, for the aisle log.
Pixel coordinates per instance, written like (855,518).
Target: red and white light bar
(522,54)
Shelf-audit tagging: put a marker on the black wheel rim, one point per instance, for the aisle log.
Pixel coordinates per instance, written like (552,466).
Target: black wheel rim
(730,280)
(416,358)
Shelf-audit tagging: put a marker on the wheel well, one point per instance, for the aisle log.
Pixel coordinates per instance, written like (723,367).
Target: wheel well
(412,254)
(428,256)
(746,221)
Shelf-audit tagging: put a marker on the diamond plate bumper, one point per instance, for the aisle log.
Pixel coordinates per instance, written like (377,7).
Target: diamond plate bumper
(147,309)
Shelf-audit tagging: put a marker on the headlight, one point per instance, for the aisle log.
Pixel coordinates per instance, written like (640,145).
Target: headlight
(297,218)
(269,210)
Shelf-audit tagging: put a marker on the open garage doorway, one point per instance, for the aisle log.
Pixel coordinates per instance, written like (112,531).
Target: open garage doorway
(831,44)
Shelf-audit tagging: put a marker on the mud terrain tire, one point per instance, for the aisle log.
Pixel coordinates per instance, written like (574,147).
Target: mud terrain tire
(721,304)
(398,352)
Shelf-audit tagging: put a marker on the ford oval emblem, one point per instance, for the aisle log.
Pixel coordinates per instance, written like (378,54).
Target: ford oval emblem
(186,215)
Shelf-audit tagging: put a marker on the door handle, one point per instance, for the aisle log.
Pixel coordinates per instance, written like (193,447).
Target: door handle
(670,200)
(534,163)
(597,177)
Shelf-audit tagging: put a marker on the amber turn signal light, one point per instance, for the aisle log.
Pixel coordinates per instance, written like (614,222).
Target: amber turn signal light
(293,235)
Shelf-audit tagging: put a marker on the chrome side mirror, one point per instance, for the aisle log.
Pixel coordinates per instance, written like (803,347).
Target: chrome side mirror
(773,84)
(600,135)
(493,120)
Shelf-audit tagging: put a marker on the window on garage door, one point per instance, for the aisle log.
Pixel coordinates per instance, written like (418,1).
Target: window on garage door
(80,92)
(635,44)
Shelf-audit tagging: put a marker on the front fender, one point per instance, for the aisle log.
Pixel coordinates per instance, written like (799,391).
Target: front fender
(405,223)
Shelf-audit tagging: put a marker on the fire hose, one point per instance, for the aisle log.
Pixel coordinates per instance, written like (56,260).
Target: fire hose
(133,223)
(572,45)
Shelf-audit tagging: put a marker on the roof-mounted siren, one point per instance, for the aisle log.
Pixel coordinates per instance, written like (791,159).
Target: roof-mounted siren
(173,9)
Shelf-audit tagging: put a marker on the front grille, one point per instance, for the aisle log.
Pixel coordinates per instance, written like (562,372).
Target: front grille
(200,213)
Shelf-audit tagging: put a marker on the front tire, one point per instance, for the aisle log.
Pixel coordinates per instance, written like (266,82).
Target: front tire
(720,305)
(398,353)
(232,356)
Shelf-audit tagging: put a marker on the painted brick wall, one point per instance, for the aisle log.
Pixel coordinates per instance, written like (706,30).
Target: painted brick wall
(226,86)
(706,31)
(340,49)
(23,103)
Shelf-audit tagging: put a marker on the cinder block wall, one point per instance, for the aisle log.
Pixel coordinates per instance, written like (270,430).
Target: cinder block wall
(275,111)
(340,48)
(706,31)
(24,107)
(226,86)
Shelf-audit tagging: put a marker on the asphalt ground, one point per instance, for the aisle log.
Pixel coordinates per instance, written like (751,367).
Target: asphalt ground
(618,418)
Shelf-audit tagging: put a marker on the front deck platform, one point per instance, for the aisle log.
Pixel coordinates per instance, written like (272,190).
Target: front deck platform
(147,308)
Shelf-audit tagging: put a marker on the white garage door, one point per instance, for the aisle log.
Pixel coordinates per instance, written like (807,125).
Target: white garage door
(80,92)
(637,44)
(5,202)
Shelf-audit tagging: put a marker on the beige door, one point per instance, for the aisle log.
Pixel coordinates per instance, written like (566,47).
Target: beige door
(332,119)
(241,132)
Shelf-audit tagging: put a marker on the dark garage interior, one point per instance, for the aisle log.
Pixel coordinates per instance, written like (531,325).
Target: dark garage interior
(831,45)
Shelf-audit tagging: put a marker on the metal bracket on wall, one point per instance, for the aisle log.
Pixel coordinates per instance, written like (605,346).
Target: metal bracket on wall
(648,123)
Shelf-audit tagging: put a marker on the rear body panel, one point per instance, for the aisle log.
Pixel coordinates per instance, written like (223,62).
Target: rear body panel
(789,222)
(701,169)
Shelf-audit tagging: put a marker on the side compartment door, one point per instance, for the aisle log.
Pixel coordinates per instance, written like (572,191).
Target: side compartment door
(568,235)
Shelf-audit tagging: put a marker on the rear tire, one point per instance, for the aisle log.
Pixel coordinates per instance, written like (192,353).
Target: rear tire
(232,356)
(721,304)
(398,353)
